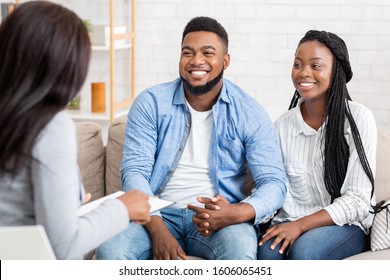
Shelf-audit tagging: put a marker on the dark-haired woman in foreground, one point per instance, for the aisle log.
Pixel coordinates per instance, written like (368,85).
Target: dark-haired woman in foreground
(44,56)
(328,144)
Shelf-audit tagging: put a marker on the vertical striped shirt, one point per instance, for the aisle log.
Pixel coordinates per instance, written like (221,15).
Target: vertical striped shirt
(302,150)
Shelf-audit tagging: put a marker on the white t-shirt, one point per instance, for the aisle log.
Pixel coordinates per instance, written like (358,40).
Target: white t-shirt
(191,177)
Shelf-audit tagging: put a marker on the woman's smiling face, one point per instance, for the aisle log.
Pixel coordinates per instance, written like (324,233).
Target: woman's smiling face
(312,70)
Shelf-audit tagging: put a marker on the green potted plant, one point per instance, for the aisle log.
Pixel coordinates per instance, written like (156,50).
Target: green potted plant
(88,25)
(74,104)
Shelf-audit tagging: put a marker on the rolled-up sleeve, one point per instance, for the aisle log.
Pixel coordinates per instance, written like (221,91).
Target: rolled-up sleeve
(265,162)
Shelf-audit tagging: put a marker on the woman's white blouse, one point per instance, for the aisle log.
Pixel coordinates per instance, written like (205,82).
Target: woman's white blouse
(302,149)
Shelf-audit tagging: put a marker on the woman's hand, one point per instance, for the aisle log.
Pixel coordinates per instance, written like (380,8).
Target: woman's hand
(137,206)
(289,232)
(285,233)
(87,198)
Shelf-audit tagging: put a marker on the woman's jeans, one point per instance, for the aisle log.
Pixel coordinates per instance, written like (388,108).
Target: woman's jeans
(322,243)
(230,243)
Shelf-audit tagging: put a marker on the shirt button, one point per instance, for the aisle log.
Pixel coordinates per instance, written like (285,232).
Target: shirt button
(170,172)
(187,125)
(181,149)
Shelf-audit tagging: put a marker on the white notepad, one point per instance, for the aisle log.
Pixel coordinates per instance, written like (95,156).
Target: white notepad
(158,203)
(155,203)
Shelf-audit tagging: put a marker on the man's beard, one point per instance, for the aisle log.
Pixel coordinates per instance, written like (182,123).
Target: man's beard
(203,89)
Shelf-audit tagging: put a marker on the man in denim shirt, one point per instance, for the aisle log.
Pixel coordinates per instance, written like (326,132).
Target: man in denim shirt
(191,141)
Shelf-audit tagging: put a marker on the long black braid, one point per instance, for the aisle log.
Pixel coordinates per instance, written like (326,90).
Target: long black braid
(336,152)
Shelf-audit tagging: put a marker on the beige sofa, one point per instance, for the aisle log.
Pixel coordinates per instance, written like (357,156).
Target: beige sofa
(100,166)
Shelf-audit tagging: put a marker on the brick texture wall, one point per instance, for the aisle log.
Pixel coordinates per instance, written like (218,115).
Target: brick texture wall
(263,37)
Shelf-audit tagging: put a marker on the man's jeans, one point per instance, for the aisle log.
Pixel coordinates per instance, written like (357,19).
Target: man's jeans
(230,243)
(322,243)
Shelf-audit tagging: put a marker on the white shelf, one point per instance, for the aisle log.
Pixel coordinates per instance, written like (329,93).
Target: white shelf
(120,41)
(83,115)
(107,48)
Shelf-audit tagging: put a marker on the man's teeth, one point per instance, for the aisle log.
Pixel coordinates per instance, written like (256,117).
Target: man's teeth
(199,73)
(307,84)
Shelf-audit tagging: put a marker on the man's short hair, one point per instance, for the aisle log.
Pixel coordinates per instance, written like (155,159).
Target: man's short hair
(207,24)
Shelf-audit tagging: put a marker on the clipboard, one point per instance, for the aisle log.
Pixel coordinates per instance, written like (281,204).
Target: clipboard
(155,203)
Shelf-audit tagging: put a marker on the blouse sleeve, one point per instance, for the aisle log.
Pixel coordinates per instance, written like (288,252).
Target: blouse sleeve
(355,202)
(58,189)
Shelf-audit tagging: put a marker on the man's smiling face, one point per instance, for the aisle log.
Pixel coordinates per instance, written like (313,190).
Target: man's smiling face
(202,61)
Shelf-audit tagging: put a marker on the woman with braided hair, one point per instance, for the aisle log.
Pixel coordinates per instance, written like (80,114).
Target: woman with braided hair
(328,144)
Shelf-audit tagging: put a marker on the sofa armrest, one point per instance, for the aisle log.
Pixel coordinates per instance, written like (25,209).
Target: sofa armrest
(382,178)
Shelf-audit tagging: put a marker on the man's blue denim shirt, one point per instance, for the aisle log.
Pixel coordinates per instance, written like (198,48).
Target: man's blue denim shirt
(243,135)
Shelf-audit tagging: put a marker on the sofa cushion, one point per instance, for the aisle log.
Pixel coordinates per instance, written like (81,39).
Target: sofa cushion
(91,157)
(382,178)
(370,255)
(114,154)
(380,230)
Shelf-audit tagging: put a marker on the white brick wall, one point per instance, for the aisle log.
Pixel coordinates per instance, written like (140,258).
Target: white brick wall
(263,37)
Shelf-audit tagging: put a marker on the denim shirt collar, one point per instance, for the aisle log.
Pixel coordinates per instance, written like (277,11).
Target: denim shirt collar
(179,97)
